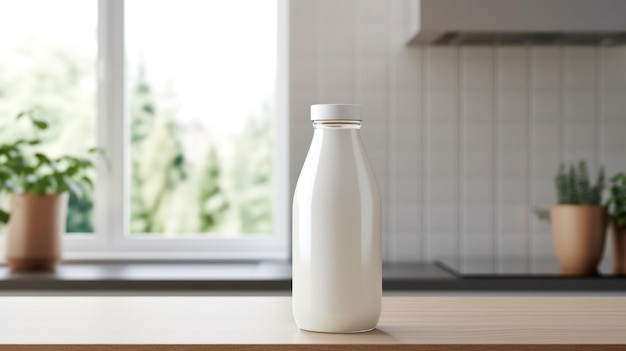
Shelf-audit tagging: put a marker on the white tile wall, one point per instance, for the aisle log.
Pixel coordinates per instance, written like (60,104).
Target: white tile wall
(464,141)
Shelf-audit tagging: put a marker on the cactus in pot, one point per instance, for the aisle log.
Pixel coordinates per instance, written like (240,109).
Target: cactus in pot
(578,220)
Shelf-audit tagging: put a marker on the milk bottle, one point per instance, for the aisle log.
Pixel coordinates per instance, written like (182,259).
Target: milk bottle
(337,264)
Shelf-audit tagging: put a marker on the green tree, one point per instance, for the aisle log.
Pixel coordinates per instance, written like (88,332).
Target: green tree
(142,114)
(253,172)
(212,202)
(80,213)
(158,162)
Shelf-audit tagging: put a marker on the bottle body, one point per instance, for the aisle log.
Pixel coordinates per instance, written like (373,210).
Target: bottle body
(337,255)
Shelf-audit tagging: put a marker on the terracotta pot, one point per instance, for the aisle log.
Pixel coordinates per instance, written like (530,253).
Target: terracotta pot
(579,233)
(619,250)
(34,231)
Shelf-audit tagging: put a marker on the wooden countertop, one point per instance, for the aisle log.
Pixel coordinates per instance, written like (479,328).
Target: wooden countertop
(266,323)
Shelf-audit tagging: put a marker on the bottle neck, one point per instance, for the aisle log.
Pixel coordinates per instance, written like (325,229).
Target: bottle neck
(337,124)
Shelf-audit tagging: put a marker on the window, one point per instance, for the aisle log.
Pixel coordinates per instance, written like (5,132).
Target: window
(188,102)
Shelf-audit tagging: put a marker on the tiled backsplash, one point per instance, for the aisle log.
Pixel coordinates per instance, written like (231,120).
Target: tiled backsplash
(464,141)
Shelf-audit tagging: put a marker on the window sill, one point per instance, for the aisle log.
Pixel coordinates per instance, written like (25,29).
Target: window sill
(196,276)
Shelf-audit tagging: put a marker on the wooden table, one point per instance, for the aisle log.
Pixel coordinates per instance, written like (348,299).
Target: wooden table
(266,323)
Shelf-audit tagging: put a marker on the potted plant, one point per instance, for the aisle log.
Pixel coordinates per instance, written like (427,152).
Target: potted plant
(617,216)
(38,186)
(578,220)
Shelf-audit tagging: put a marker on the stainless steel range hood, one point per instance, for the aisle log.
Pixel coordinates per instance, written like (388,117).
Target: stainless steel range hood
(516,22)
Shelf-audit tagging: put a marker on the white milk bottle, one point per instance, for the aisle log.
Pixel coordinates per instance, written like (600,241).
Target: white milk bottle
(337,263)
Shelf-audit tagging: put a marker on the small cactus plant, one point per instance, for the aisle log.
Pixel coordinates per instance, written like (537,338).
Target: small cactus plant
(574,188)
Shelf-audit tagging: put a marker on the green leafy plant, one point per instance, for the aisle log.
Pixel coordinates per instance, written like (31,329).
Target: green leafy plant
(617,200)
(26,168)
(574,187)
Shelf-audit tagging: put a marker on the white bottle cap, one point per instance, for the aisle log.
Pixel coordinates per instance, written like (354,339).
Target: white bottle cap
(326,112)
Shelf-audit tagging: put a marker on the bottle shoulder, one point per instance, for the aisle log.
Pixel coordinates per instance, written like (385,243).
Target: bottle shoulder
(336,157)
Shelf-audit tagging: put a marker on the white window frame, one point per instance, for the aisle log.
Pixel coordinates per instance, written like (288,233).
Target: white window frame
(111,240)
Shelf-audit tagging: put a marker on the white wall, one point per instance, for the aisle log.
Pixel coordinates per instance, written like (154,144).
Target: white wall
(464,141)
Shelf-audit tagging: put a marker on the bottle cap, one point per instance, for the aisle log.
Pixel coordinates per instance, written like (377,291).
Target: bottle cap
(326,112)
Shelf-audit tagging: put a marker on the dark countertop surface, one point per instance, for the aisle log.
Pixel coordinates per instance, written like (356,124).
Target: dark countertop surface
(195,276)
(511,267)
(206,277)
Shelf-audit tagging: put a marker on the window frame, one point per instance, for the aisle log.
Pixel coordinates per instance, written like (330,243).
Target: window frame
(110,240)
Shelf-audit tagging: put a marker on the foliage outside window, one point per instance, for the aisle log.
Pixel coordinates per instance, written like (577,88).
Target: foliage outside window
(186,174)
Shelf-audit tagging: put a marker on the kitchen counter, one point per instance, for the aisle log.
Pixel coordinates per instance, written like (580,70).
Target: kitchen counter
(166,278)
(266,323)
(194,277)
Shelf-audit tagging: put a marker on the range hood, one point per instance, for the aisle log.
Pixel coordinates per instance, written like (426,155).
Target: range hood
(516,22)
